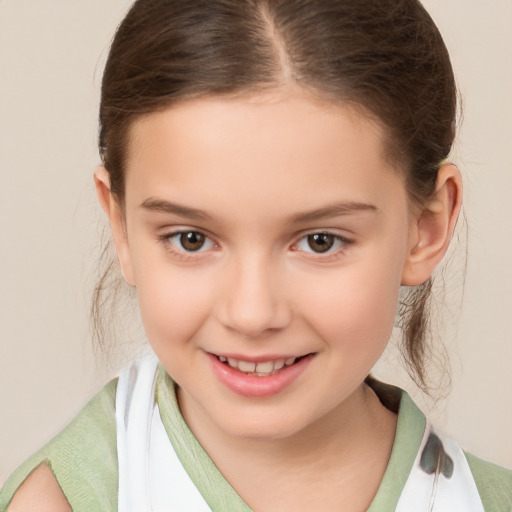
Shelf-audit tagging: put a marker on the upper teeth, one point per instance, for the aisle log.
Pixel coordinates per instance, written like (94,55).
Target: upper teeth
(261,368)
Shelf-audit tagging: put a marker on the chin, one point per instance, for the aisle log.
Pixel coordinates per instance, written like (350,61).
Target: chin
(263,429)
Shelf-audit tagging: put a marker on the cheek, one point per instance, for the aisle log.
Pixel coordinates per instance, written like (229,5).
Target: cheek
(174,303)
(354,307)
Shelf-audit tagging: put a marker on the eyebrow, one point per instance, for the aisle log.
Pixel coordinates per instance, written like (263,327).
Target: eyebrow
(345,208)
(155,204)
(334,210)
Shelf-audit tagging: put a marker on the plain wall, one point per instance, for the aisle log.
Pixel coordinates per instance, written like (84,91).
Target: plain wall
(51,59)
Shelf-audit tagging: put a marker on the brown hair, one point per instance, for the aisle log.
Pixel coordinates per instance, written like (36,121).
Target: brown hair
(384,56)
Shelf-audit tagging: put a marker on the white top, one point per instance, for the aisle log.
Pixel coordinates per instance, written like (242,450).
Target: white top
(151,477)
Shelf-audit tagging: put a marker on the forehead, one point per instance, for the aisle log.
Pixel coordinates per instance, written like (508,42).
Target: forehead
(264,149)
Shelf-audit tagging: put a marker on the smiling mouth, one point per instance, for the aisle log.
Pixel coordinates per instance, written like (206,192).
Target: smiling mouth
(261,368)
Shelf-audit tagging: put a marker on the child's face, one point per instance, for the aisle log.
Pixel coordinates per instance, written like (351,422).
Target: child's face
(264,229)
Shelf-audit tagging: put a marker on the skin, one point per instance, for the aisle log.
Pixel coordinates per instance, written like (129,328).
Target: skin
(41,492)
(257,168)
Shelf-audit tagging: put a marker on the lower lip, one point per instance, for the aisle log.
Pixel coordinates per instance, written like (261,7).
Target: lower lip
(251,385)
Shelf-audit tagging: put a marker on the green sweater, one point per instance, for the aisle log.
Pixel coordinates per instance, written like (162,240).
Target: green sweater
(83,457)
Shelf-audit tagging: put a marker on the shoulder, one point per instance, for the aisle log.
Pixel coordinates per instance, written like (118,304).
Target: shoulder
(80,462)
(40,491)
(494,484)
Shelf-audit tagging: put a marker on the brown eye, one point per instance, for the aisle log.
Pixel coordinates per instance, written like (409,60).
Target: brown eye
(192,240)
(320,242)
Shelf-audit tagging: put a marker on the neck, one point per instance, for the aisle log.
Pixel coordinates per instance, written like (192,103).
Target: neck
(351,444)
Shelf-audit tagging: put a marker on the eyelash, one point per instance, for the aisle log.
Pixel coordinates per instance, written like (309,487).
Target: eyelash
(187,255)
(183,254)
(332,253)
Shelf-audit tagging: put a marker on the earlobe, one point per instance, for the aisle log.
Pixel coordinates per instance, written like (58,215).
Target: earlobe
(117,224)
(433,227)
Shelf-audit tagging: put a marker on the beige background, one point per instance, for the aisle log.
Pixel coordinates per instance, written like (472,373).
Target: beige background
(51,58)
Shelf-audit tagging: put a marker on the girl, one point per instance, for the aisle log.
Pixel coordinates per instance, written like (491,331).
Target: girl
(274,172)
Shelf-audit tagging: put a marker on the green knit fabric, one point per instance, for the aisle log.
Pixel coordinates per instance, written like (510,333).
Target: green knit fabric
(214,488)
(494,484)
(409,433)
(83,457)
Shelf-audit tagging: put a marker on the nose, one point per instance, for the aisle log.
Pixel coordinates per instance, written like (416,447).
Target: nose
(254,301)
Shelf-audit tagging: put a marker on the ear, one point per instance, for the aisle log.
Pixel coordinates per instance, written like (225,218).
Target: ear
(433,227)
(117,224)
